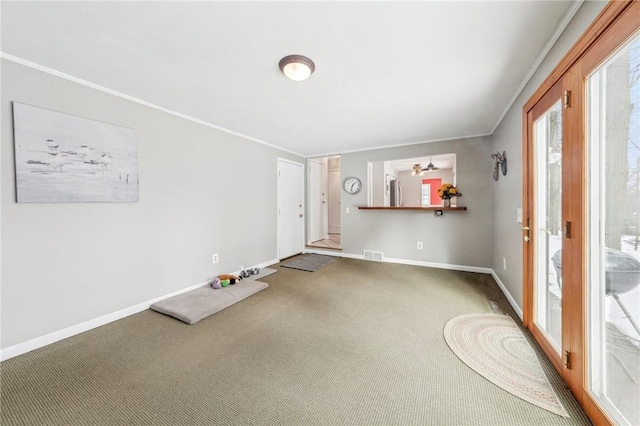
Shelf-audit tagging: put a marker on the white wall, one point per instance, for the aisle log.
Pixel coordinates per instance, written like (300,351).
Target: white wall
(378,186)
(507,191)
(458,238)
(63,264)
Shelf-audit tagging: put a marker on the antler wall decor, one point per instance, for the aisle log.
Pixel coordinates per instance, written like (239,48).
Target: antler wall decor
(500,163)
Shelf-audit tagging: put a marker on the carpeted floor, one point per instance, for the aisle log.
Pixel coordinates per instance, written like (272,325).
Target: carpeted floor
(357,343)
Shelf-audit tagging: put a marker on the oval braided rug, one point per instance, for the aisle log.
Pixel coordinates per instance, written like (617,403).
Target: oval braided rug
(494,347)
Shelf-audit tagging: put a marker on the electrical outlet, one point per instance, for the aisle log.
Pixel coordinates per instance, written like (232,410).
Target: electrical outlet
(419,247)
(215,258)
(504,263)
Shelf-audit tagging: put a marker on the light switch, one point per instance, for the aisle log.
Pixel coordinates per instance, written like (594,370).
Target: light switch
(519,215)
(346,209)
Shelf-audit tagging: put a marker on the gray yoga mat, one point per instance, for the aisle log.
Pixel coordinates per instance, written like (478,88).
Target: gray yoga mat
(310,262)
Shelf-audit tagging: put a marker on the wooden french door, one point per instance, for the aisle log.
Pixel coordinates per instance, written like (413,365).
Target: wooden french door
(552,241)
(581,269)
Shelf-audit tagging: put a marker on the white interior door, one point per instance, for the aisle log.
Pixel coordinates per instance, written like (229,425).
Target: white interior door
(317,201)
(290,208)
(334,201)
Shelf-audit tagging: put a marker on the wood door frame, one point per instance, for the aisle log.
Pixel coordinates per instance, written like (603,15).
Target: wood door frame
(615,23)
(623,27)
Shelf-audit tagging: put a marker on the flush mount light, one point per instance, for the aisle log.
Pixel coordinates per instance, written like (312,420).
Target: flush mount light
(297,67)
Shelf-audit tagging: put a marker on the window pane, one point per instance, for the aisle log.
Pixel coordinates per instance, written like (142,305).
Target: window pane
(614,234)
(426,195)
(547,239)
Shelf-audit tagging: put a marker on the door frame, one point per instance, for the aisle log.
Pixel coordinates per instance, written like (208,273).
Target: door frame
(321,209)
(614,24)
(316,227)
(332,193)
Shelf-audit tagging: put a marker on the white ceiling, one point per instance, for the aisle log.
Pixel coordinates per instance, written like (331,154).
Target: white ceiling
(387,73)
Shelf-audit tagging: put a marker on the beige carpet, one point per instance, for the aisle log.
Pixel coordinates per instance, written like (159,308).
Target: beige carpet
(356,343)
(496,349)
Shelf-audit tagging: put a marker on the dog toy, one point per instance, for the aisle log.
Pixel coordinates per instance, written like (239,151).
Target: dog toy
(224,280)
(231,278)
(216,283)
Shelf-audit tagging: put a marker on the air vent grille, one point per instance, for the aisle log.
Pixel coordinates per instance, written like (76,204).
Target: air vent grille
(375,256)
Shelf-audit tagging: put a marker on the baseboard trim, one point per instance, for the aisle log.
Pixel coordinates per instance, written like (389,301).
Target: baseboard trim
(263,264)
(39,342)
(452,267)
(506,293)
(463,268)
(332,253)
(449,266)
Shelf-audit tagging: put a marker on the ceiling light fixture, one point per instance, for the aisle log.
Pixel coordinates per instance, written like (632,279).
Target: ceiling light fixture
(431,167)
(419,171)
(297,67)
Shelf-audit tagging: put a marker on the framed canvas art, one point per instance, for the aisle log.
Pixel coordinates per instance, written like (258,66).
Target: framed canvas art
(62,158)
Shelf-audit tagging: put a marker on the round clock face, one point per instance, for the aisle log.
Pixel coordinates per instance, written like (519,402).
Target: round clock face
(352,185)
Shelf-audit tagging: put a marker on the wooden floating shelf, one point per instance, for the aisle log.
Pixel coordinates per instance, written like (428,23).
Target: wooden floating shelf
(412,208)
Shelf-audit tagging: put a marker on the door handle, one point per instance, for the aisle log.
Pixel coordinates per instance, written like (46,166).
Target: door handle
(526,237)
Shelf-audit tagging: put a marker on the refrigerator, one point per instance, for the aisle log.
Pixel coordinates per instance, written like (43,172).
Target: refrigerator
(395,193)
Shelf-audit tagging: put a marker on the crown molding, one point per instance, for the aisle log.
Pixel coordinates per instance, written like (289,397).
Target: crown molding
(547,48)
(50,71)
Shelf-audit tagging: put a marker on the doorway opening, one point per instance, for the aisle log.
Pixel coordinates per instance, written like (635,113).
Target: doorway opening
(323,223)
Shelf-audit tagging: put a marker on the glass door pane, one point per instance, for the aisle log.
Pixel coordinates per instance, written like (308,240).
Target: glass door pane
(613,287)
(547,236)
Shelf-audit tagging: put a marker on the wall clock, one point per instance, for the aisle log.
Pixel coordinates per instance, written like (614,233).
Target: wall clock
(352,185)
